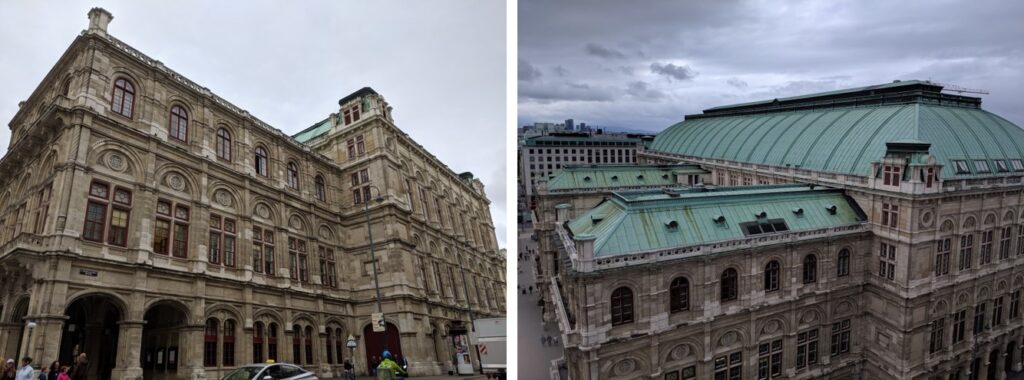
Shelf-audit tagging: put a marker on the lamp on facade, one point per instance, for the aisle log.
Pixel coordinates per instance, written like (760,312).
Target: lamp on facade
(351,344)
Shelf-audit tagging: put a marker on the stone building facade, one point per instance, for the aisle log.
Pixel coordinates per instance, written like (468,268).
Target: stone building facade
(167,233)
(935,282)
(543,156)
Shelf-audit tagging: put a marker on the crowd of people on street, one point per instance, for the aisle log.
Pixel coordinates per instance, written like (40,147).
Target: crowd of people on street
(79,370)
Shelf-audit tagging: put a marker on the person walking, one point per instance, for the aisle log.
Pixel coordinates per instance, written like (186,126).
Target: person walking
(54,371)
(44,373)
(374,362)
(80,371)
(9,372)
(388,363)
(349,371)
(26,371)
(63,375)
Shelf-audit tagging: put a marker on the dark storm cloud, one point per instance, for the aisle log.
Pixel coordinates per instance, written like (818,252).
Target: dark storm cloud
(560,71)
(643,90)
(565,91)
(672,71)
(755,50)
(603,52)
(528,73)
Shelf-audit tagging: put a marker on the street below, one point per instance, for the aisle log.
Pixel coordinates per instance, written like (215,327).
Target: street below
(535,355)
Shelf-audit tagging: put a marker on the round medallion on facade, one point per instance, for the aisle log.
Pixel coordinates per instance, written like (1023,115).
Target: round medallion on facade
(771,327)
(325,233)
(728,339)
(843,308)
(175,181)
(263,211)
(624,367)
(809,316)
(295,223)
(223,198)
(116,162)
(927,219)
(680,352)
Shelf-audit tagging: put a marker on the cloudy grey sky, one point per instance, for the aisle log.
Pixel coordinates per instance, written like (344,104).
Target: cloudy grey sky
(646,64)
(441,64)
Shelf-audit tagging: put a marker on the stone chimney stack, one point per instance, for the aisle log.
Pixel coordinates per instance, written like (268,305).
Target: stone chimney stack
(98,20)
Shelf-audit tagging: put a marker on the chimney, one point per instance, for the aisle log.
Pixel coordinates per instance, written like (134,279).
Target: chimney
(98,20)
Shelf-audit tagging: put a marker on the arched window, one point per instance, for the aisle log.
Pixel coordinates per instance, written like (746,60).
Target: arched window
(622,306)
(261,161)
(810,269)
(229,343)
(210,343)
(843,263)
(307,340)
(321,188)
(179,123)
(679,292)
(293,175)
(329,346)
(272,342)
(65,89)
(224,144)
(123,101)
(338,344)
(729,285)
(297,343)
(771,276)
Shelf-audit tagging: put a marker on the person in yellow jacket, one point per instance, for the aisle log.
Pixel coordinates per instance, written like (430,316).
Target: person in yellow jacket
(388,363)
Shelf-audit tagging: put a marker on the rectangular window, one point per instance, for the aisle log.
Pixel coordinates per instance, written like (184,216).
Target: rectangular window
(981,166)
(729,367)
(298,259)
(961,167)
(959,325)
(1004,242)
(360,193)
(1001,166)
(1017,165)
(438,280)
(1020,240)
(986,248)
(222,240)
(107,213)
(887,261)
(807,348)
(966,251)
(1015,304)
(979,317)
(937,335)
(118,227)
(769,360)
(171,229)
(942,252)
(892,175)
(997,311)
(263,250)
(328,275)
(930,179)
(42,207)
(95,217)
(840,337)
(890,215)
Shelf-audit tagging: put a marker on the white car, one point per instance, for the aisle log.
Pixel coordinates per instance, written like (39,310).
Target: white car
(270,371)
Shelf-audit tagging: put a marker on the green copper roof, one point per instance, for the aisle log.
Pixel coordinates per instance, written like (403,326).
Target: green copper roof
(640,221)
(313,132)
(621,176)
(847,139)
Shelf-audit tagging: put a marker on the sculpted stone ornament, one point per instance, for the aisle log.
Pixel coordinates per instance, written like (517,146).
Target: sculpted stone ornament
(116,162)
(680,352)
(262,211)
(771,327)
(728,339)
(325,233)
(624,367)
(223,198)
(175,181)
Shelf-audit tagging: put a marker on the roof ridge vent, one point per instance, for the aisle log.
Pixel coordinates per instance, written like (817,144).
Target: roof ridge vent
(831,209)
(761,215)
(640,177)
(596,218)
(615,178)
(719,219)
(798,211)
(586,179)
(672,225)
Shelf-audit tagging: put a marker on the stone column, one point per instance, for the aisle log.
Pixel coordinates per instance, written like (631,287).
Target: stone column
(48,336)
(190,352)
(129,351)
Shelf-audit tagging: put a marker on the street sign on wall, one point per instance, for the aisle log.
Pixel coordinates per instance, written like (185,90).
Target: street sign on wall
(378,322)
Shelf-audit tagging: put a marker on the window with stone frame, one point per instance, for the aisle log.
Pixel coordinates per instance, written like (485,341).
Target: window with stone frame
(887,261)
(223,144)
(262,161)
(930,178)
(979,317)
(840,337)
(769,360)
(937,336)
(942,252)
(438,279)
(307,343)
(257,342)
(985,249)
(328,271)
(351,114)
(959,325)
(123,100)
(298,259)
(966,251)
(1015,304)
(455,289)
(293,175)
(807,348)
(810,269)
(679,295)
(891,175)
(297,344)
(890,215)
(622,306)
(179,124)
(222,240)
(729,367)
(360,186)
(170,229)
(228,343)
(1005,235)
(356,147)
(843,263)
(272,341)
(107,213)
(263,250)
(997,311)
(771,276)
(43,208)
(210,343)
(729,287)
(1020,240)
(320,187)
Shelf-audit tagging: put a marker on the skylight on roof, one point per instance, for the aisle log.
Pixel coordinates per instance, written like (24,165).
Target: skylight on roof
(982,166)
(1001,166)
(764,227)
(1017,164)
(961,167)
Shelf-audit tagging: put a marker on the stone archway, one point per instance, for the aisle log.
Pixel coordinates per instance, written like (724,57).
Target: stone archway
(92,328)
(164,341)
(376,343)
(15,328)
(1011,351)
(993,364)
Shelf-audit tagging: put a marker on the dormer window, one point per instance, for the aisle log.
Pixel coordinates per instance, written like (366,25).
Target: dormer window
(764,227)
(961,167)
(982,166)
(1018,166)
(1001,166)
(351,114)
(891,175)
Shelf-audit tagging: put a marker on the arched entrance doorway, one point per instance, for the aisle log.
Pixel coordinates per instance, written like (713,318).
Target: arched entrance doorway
(163,341)
(1008,363)
(993,367)
(15,327)
(91,328)
(376,343)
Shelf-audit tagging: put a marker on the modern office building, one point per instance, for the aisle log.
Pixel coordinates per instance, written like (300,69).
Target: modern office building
(893,248)
(542,156)
(169,234)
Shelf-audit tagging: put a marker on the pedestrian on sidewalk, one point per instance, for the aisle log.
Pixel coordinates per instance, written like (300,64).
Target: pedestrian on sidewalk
(26,371)
(10,371)
(349,371)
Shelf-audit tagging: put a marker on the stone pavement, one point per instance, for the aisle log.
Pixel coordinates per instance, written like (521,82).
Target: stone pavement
(468,377)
